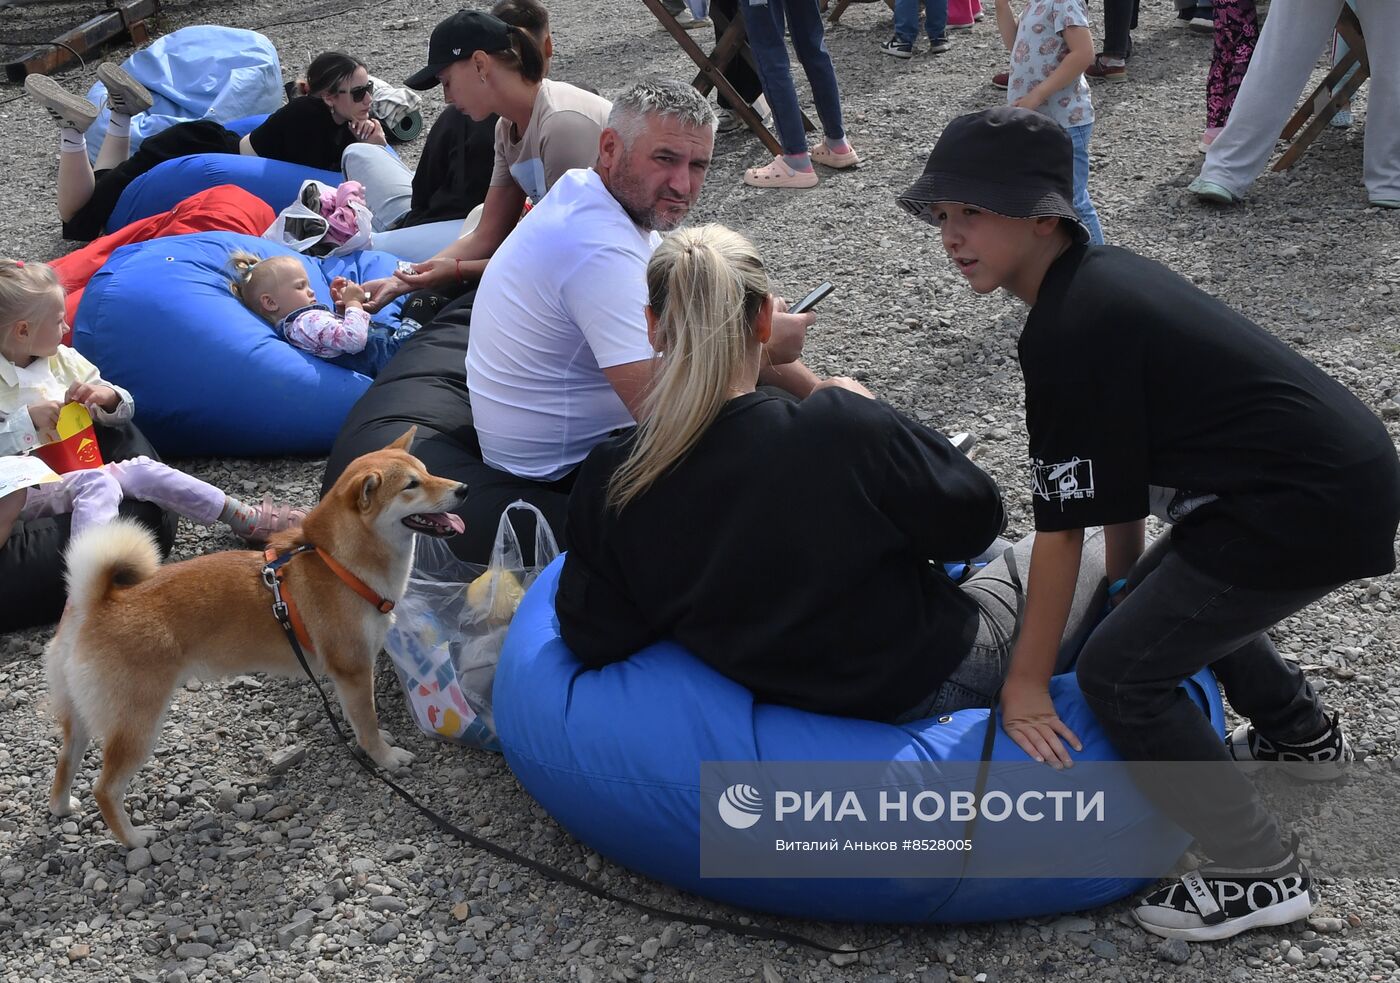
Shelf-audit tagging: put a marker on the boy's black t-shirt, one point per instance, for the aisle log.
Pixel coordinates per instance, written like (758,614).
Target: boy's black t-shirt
(303,132)
(454,170)
(789,550)
(1137,381)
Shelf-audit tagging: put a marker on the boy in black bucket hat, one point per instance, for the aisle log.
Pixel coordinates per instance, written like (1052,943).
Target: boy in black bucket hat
(1146,395)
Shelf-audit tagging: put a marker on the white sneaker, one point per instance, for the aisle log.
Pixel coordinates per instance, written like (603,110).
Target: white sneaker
(729,120)
(124,93)
(69,109)
(964,441)
(690,22)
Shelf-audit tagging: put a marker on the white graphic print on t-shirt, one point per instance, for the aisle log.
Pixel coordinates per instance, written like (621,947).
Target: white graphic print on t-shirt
(1072,479)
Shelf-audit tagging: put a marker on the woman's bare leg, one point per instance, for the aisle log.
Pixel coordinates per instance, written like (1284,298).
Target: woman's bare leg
(74,115)
(126,97)
(116,147)
(75,181)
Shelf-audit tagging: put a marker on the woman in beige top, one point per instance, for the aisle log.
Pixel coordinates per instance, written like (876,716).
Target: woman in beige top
(546,128)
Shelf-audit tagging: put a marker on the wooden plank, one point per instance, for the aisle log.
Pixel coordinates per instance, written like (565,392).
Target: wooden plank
(841,5)
(127,17)
(713,75)
(1330,95)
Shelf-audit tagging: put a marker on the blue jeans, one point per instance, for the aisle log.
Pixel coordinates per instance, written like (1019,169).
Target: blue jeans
(1079,136)
(765,26)
(906,19)
(380,346)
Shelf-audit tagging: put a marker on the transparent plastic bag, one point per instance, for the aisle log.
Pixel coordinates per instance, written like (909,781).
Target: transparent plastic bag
(451,624)
(307,230)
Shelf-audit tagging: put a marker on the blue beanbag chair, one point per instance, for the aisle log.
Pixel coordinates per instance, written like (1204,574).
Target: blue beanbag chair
(200,72)
(209,376)
(171,182)
(615,756)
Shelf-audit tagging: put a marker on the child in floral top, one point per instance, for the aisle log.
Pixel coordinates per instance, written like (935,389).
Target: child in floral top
(1050,47)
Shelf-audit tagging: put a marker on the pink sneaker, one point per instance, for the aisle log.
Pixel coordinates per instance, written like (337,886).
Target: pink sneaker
(779,175)
(1208,137)
(273,517)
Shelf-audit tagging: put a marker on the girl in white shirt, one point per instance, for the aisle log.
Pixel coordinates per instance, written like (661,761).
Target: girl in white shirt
(38,375)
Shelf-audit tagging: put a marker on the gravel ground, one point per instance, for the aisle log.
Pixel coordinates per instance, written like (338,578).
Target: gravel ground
(280,861)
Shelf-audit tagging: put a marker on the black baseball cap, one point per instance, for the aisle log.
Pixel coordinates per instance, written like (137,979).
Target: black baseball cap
(1006,160)
(457,37)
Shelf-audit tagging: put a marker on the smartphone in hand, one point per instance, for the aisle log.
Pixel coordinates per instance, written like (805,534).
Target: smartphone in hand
(812,299)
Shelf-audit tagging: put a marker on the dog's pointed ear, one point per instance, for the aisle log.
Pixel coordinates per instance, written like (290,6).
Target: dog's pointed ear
(406,441)
(368,486)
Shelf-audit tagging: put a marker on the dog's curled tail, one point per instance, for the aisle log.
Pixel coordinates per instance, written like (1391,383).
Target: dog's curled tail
(119,553)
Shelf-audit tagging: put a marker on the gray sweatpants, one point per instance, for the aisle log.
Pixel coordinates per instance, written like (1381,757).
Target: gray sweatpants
(1000,595)
(388,185)
(1293,37)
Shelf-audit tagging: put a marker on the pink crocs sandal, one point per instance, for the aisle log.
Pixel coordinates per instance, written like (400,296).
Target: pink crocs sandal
(779,175)
(824,155)
(273,517)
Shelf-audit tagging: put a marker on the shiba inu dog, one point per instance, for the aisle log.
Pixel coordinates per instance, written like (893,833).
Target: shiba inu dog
(135,630)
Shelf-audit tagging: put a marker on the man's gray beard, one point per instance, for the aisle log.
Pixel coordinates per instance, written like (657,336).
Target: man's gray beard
(643,218)
(648,219)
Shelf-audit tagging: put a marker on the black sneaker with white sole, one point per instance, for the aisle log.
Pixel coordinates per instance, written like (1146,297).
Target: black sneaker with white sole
(1322,758)
(69,109)
(1217,902)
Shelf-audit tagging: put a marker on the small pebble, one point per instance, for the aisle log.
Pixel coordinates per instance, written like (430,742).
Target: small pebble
(843,958)
(137,859)
(386,933)
(286,759)
(1173,951)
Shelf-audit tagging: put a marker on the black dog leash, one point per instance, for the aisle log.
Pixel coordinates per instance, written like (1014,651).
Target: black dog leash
(271,574)
(1004,643)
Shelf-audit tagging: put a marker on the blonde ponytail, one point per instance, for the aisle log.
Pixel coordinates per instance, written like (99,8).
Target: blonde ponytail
(24,288)
(705,285)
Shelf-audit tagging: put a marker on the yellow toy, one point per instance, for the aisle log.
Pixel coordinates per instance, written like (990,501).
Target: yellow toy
(495,595)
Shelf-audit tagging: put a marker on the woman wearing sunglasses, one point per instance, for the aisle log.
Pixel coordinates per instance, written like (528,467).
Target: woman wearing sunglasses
(313,129)
(330,114)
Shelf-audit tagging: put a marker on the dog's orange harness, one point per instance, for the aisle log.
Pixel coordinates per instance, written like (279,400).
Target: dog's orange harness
(285,608)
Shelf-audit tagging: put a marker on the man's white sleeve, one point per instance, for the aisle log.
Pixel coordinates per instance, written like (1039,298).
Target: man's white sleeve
(606,296)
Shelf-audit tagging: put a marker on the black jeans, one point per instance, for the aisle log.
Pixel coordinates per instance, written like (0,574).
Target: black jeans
(1175,621)
(1119,17)
(31,559)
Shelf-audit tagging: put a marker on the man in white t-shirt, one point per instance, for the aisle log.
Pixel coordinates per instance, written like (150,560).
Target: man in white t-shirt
(559,355)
